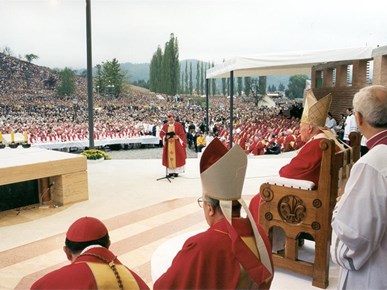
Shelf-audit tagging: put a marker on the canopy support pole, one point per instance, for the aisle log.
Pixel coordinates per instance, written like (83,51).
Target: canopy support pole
(207,105)
(89,76)
(231,106)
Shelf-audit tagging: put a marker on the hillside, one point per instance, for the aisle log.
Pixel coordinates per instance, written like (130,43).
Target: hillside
(136,71)
(20,77)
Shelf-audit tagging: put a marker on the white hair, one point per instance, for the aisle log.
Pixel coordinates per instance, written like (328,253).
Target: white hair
(371,103)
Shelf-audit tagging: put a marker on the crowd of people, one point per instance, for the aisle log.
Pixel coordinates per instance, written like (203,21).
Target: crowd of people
(35,109)
(49,119)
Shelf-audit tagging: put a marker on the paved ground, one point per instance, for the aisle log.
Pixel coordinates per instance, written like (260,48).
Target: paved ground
(143,153)
(156,153)
(142,213)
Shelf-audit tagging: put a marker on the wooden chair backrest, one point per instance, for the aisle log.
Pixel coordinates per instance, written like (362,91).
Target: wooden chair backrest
(298,211)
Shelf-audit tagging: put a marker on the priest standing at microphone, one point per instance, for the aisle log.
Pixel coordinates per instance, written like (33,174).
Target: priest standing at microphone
(175,142)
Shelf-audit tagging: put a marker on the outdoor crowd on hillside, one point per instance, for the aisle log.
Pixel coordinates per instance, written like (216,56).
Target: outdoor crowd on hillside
(29,105)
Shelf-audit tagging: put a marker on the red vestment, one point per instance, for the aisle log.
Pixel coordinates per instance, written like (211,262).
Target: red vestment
(259,148)
(289,142)
(79,275)
(242,142)
(206,261)
(174,153)
(306,164)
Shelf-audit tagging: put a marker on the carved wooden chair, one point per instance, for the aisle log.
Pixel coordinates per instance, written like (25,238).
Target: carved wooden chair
(299,211)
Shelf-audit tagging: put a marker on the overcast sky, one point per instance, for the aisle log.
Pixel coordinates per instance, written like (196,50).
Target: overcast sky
(208,30)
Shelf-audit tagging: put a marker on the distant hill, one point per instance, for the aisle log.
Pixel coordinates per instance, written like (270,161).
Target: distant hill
(136,71)
(140,71)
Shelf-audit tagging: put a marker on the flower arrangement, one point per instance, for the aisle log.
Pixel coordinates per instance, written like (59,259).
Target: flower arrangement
(95,154)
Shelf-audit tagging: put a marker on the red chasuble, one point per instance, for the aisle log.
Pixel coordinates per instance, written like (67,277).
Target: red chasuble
(86,272)
(306,164)
(206,261)
(174,153)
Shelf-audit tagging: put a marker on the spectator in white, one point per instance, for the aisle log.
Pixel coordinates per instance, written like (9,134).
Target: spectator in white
(359,222)
(209,138)
(350,125)
(340,127)
(331,123)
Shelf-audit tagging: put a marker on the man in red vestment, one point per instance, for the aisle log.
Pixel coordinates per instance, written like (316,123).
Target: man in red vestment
(92,266)
(175,142)
(233,253)
(289,141)
(306,164)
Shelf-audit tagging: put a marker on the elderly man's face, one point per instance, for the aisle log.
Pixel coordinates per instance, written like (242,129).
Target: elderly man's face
(208,209)
(305,130)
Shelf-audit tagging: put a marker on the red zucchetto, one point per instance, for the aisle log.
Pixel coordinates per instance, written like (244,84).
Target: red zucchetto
(86,229)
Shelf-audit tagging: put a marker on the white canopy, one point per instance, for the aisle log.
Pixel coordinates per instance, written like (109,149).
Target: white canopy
(289,63)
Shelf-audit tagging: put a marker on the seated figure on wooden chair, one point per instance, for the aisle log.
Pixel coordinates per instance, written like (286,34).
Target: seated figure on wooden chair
(233,253)
(306,164)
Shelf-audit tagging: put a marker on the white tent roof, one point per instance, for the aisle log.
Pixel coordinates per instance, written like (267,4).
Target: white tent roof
(289,63)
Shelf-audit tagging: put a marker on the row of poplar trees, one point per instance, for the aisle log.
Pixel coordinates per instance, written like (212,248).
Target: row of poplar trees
(165,68)
(165,77)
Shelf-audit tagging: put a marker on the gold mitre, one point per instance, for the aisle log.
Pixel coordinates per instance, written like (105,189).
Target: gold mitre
(222,171)
(316,111)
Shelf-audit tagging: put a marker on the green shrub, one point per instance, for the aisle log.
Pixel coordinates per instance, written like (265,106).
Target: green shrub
(94,154)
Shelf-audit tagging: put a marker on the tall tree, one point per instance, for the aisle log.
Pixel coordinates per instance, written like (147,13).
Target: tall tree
(202,68)
(239,81)
(224,84)
(262,85)
(156,72)
(171,66)
(7,51)
(99,83)
(30,57)
(182,86)
(198,78)
(213,81)
(165,68)
(67,83)
(177,65)
(296,86)
(113,78)
(190,86)
(247,89)
(186,90)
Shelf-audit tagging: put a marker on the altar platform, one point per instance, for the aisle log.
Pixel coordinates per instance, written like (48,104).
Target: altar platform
(62,177)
